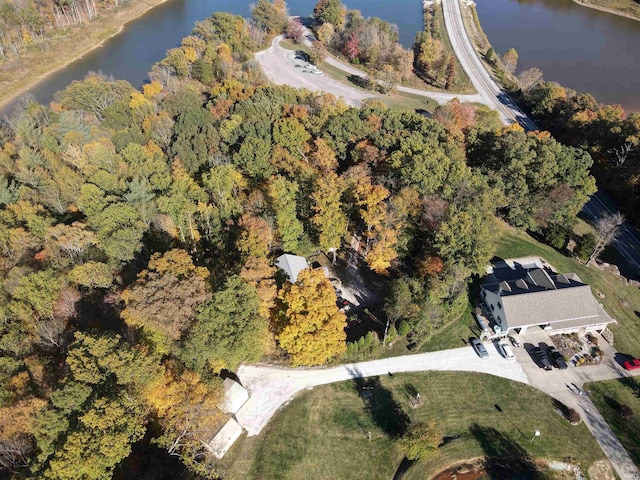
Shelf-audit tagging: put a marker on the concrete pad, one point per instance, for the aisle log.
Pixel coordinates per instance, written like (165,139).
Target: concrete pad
(225,438)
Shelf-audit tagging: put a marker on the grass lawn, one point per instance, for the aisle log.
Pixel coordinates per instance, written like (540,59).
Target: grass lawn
(322,434)
(607,396)
(397,101)
(514,243)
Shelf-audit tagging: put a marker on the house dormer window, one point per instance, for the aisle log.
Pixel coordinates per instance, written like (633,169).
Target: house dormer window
(499,305)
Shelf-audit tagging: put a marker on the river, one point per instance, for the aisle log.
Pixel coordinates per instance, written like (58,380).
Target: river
(144,41)
(585,49)
(578,47)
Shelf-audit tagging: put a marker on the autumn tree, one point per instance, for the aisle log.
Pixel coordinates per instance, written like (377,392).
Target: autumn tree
(228,330)
(164,298)
(254,244)
(421,441)
(450,74)
(282,194)
(309,326)
(430,53)
(329,11)
(187,410)
(510,60)
(96,415)
(295,30)
(267,17)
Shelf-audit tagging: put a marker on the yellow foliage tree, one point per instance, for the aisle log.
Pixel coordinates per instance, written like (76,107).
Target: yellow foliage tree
(309,325)
(187,410)
(152,89)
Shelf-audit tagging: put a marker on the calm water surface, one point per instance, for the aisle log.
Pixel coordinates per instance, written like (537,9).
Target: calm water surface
(578,47)
(144,41)
(581,48)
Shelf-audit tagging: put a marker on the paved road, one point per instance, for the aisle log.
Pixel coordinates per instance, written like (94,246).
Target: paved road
(488,89)
(628,241)
(271,387)
(279,66)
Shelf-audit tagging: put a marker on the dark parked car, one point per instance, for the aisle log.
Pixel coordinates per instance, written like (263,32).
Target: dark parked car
(479,348)
(556,358)
(541,358)
(632,364)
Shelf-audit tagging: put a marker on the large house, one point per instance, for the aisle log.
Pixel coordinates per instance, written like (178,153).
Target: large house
(527,292)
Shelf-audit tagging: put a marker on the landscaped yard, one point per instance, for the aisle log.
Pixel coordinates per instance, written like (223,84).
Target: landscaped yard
(322,434)
(608,397)
(621,301)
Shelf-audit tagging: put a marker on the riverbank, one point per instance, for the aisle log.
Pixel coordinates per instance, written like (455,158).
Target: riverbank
(624,8)
(66,47)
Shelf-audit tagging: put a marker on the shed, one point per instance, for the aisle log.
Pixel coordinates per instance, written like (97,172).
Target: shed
(225,438)
(235,395)
(292,265)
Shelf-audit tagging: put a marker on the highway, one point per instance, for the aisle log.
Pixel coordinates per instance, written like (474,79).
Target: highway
(628,241)
(486,87)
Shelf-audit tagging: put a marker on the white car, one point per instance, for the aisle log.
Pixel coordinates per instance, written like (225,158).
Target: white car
(505,349)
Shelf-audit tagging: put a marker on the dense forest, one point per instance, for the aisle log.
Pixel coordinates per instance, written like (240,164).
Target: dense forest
(610,136)
(29,23)
(139,231)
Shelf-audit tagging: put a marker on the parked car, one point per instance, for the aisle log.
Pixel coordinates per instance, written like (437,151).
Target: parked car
(632,364)
(541,358)
(505,349)
(556,358)
(514,340)
(479,348)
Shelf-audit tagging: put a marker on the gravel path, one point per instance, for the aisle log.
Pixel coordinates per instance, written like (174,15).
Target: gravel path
(271,387)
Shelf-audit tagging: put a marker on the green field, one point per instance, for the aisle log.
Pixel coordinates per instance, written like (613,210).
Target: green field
(607,396)
(621,301)
(322,434)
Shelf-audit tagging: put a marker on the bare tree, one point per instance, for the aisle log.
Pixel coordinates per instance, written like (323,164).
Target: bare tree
(620,154)
(530,78)
(607,228)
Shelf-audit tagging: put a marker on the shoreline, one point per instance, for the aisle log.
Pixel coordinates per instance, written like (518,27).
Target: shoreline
(4,102)
(606,10)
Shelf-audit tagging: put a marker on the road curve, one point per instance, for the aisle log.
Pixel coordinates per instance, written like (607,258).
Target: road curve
(487,88)
(273,387)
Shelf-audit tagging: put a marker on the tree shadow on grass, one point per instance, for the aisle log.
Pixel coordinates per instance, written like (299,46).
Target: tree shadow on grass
(632,384)
(383,409)
(504,457)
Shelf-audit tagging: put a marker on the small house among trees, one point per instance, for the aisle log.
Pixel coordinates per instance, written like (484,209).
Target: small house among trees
(292,265)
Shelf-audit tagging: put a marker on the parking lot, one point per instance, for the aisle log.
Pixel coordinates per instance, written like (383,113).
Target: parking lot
(279,64)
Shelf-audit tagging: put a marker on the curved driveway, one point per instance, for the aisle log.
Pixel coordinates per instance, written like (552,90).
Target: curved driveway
(272,387)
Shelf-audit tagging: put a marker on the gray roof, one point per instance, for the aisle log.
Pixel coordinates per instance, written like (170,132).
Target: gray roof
(531,295)
(575,304)
(292,265)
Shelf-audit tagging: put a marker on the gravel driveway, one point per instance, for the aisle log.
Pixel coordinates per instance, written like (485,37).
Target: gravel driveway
(271,387)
